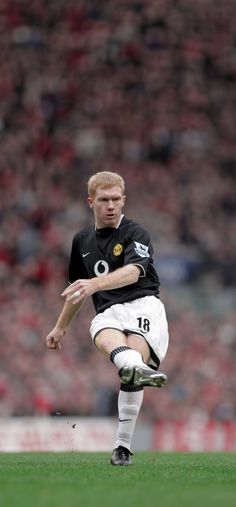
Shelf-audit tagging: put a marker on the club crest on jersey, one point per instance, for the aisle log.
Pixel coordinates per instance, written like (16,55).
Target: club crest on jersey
(141,250)
(118,249)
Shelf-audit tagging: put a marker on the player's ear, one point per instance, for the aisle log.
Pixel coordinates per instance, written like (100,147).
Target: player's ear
(90,202)
(124,199)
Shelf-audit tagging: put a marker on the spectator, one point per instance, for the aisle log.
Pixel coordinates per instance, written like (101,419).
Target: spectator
(147,89)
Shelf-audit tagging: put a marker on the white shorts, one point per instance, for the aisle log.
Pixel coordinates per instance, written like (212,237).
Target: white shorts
(144,316)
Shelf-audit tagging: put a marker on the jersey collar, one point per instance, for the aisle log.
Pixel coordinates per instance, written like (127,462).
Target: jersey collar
(119,221)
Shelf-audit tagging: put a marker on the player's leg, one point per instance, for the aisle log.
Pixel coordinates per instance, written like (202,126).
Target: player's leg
(129,403)
(130,353)
(131,360)
(131,393)
(146,317)
(114,343)
(131,397)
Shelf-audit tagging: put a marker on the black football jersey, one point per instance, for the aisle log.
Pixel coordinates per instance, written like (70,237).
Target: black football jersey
(96,252)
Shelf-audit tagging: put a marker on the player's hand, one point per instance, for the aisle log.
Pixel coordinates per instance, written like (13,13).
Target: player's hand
(79,290)
(53,339)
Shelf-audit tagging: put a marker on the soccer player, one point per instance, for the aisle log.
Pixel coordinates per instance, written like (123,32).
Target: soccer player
(112,262)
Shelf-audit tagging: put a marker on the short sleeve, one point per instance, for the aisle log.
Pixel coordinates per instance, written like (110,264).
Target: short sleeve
(139,249)
(75,270)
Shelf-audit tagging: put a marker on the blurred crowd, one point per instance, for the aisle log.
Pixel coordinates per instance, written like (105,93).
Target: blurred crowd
(146,88)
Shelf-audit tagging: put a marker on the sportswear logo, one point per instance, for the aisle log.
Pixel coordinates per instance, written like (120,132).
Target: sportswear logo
(124,420)
(85,254)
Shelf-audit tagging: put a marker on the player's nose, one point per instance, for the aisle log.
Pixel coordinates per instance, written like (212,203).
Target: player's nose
(110,204)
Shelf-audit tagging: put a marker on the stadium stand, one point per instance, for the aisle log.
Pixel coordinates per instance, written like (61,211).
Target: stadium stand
(146,89)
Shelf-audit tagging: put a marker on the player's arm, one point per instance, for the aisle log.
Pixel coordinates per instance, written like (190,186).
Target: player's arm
(69,310)
(118,278)
(68,313)
(83,288)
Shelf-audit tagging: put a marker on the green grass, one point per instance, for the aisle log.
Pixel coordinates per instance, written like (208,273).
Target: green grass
(155,479)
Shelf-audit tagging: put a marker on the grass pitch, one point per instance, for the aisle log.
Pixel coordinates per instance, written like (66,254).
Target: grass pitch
(88,479)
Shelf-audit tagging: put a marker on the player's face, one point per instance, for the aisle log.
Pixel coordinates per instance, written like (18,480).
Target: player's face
(107,205)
